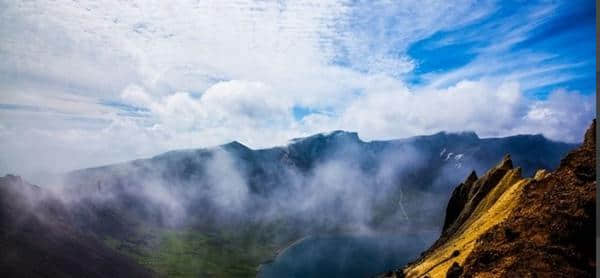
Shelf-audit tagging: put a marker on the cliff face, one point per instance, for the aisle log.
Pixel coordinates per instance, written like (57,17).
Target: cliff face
(504,225)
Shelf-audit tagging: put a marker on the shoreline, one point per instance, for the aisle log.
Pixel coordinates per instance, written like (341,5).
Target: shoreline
(278,252)
(282,250)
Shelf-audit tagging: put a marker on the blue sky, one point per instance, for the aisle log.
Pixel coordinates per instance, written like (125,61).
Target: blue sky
(88,83)
(567,33)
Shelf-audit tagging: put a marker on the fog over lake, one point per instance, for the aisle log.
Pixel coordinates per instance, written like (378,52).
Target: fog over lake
(346,255)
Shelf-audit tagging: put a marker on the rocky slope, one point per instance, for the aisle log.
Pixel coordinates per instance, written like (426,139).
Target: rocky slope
(38,238)
(504,225)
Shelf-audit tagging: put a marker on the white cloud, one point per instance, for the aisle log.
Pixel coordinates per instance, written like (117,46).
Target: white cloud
(563,116)
(136,95)
(209,72)
(489,109)
(243,111)
(226,109)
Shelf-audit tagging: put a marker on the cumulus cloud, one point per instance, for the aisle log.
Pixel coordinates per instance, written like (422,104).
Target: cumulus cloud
(563,116)
(136,95)
(490,109)
(226,108)
(468,105)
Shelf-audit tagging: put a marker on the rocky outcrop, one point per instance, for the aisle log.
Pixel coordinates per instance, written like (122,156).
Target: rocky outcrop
(503,225)
(467,196)
(551,232)
(458,201)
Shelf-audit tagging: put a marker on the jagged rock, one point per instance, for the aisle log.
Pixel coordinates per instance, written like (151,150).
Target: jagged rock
(554,225)
(547,231)
(540,174)
(468,194)
(458,200)
(454,271)
(510,234)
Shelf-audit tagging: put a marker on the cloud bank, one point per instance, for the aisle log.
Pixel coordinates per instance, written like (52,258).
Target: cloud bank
(84,84)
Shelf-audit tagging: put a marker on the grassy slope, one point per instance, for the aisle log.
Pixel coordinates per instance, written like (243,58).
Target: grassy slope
(191,253)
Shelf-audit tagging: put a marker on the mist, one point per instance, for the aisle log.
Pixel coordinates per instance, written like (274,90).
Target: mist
(323,187)
(320,184)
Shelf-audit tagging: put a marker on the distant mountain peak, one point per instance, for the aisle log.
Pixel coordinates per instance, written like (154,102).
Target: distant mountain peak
(334,135)
(341,133)
(234,145)
(462,134)
(12,178)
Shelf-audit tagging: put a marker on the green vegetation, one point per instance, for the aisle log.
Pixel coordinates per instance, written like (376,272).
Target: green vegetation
(190,253)
(195,254)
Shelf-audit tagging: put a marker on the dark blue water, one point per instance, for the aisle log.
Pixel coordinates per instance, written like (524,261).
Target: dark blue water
(346,256)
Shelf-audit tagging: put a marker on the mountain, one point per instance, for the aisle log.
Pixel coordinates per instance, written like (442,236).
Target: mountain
(233,180)
(223,211)
(40,239)
(505,225)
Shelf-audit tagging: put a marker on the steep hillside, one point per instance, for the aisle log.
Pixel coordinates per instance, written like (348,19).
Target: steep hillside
(504,225)
(39,239)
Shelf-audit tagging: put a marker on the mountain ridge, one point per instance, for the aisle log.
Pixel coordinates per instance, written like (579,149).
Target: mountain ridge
(445,136)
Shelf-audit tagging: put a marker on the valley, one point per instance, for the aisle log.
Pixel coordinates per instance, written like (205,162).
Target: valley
(298,138)
(228,211)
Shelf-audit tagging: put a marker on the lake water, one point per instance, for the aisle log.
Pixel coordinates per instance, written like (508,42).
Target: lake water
(346,256)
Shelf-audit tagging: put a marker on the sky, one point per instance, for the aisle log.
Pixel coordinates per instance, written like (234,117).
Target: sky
(86,83)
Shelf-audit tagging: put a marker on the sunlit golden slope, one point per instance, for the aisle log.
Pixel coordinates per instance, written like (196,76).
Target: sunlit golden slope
(497,204)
